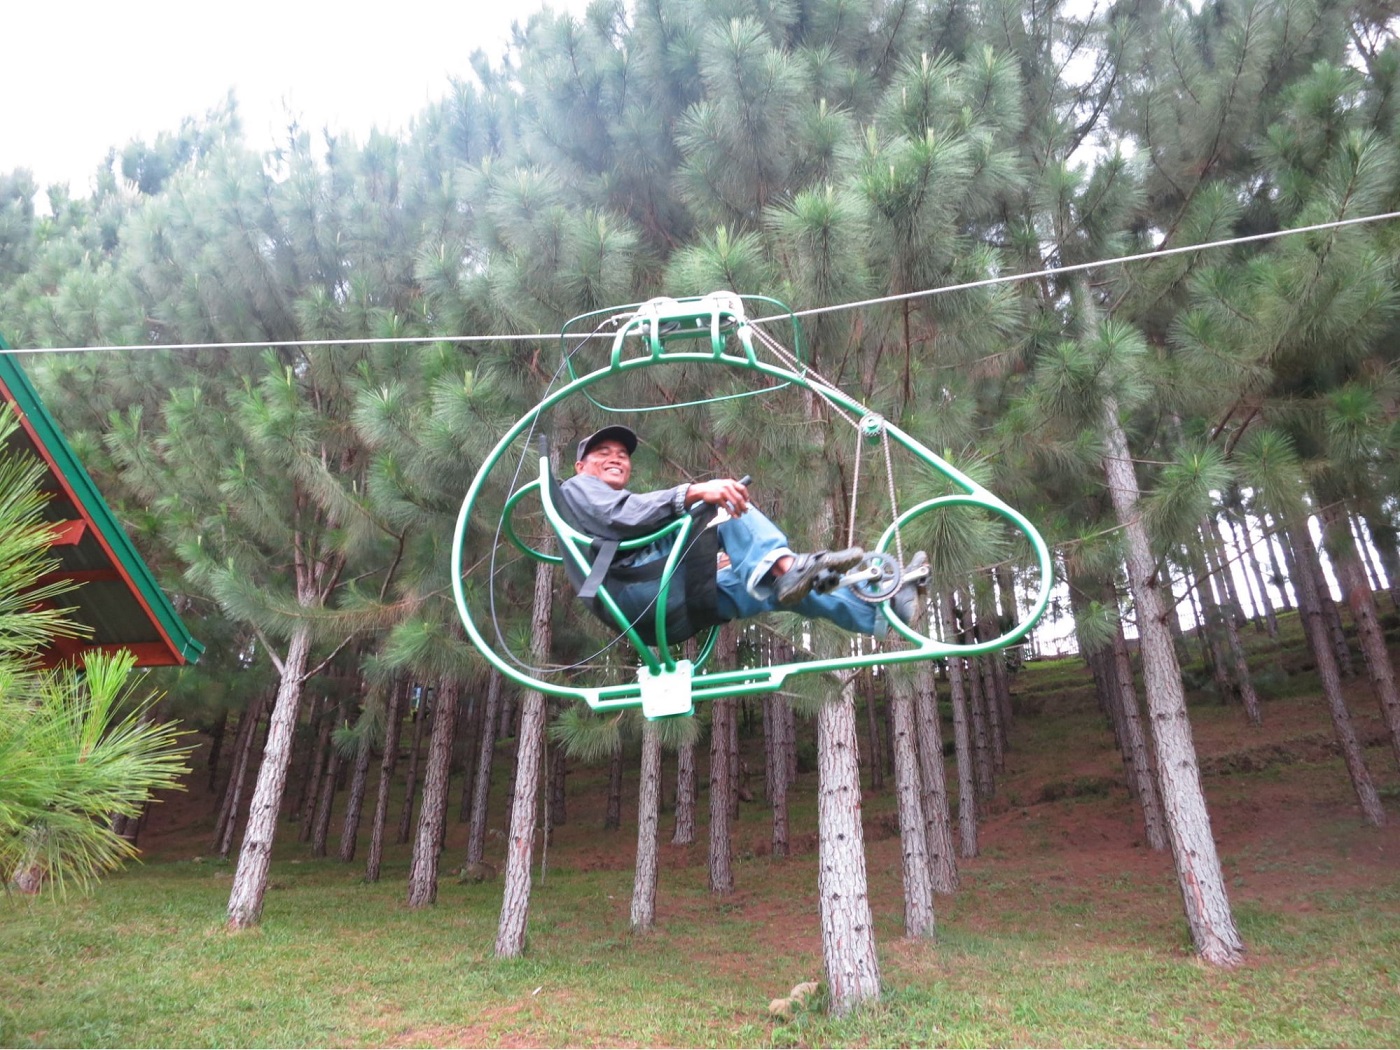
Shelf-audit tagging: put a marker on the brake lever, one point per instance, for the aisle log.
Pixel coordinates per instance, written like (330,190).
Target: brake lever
(699,508)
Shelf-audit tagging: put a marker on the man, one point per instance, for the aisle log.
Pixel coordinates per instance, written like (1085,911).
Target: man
(740,568)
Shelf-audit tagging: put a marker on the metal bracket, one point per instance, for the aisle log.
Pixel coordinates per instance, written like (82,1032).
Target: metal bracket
(666,694)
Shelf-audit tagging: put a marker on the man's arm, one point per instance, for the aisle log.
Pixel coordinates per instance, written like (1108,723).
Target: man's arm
(617,514)
(721,492)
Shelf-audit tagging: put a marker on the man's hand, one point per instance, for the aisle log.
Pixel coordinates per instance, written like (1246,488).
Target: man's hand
(732,495)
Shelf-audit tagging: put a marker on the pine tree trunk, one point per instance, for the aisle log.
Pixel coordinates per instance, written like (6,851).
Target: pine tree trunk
(612,818)
(989,625)
(1254,576)
(221,804)
(1300,555)
(648,815)
(355,803)
(1331,615)
(216,747)
(304,782)
(1280,578)
(770,751)
(1363,551)
(1214,622)
(410,791)
(1220,567)
(889,732)
(558,797)
(996,725)
(233,790)
(393,726)
(1198,870)
(962,741)
(1129,722)
(520,847)
(777,774)
(1244,681)
(1008,608)
(311,789)
(470,750)
(481,792)
(913,829)
(1329,676)
(721,849)
(1369,632)
(981,742)
(432,814)
(790,743)
(736,768)
(325,797)
(1386,538)
(848,932)
(872,728)
(684,834)
(1204,640)
(942,854)
(245,901)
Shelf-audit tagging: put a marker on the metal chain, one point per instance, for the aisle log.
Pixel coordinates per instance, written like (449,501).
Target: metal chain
(855,494)
(821,385)
(894,503)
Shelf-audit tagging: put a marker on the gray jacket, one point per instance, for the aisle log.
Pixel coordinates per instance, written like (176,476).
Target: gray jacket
(606,513)
(594,507)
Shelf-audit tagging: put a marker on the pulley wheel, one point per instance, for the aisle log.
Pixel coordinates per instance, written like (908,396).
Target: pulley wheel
(887,578)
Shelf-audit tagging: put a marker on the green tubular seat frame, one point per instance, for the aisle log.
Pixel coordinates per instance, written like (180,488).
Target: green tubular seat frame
(669,331)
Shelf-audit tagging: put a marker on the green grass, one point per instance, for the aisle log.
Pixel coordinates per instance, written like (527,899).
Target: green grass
(1021,960)
(1066,931)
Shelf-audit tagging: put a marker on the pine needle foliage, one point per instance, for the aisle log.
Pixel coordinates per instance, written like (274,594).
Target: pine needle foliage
(1186,493)
(29,620)
(76,750)
(77,747)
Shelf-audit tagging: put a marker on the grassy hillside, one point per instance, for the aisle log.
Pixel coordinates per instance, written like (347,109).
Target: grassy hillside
(1067,929)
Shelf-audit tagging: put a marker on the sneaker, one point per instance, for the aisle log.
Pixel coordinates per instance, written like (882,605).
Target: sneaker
(806,569)
(905,602)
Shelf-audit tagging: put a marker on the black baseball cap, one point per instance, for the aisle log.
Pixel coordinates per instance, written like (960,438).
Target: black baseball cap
(613,433)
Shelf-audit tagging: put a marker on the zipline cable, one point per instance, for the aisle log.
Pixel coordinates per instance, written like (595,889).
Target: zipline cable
(1156,253)
(815,311)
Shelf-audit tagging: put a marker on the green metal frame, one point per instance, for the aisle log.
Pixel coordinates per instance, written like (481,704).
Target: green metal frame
(720,317)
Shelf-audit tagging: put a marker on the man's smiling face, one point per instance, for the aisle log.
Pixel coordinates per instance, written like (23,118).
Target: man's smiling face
(608,461)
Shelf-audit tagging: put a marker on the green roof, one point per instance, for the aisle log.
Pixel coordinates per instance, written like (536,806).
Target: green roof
(119,598)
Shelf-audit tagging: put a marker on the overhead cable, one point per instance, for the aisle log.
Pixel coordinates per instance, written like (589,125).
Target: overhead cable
(816,311)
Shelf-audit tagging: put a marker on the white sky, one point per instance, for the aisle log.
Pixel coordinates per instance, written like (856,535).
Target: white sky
(82,76)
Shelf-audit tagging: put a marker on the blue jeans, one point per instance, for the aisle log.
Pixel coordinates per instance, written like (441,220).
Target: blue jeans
(753,544)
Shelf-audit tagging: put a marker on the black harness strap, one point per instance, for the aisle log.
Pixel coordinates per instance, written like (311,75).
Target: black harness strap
(602,562)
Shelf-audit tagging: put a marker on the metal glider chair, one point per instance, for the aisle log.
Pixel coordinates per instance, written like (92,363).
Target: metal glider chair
(682,588)
(666,332)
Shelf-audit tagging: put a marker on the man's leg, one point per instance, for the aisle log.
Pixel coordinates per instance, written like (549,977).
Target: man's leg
(754,544)
(842,608)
